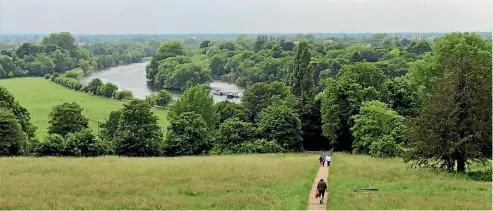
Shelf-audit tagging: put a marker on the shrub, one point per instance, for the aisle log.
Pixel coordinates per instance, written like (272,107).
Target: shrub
(227,110)
(54,76)
(84,143)
(257,146)
(386,147)
(47,76)
(124,94)
(163,98)
(233,132)
(93,86)
(69,83)
(151,99)
(75,73)
(107,89)
(53,145)
(484,176)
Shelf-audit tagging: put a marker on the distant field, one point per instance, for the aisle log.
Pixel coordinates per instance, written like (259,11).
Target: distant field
(400,187)
(39,96)
(275,181)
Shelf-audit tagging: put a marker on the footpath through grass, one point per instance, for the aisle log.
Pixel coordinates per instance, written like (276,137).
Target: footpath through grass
(39,96)
(275,181)
(400,187)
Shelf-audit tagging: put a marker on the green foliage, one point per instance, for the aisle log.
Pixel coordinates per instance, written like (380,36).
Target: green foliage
(204,44)
(54,76)
(64,40)
(234,131)
(75,73)
(227,110)
(166,50)
(47,76)
(107,89)
(163,98)
(423,74)
(483,176)
(403,97)
(257,146)
(62,60)
(188,134)
(8,103)
(93,86)
(262,95)
(138,132)
(343,96)
(124,94)
(53,145)
(181,73)
(84,143)
(378,130)
(110,126)
(454,123)
(196,99)
(302,82)
(67,118)
(281,123)
(69,83)
(12,138)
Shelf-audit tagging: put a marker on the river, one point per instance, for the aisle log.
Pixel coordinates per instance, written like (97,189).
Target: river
(132,77)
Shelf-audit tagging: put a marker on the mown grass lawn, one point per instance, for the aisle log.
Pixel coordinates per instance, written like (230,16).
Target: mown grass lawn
(275,181)
(39,96)
(401,187)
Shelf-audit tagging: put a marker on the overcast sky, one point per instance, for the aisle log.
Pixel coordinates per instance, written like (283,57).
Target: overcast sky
(244,16)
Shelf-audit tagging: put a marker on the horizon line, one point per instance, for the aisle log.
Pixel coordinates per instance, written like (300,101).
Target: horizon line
(240,33)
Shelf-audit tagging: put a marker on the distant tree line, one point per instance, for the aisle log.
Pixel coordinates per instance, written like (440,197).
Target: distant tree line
(59,52)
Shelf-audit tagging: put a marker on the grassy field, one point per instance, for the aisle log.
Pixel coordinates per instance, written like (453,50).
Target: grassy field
(39,96)
(276,181)
(400,187)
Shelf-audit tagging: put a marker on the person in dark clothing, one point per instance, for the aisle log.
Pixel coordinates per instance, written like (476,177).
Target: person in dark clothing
(321,188)
(322,162)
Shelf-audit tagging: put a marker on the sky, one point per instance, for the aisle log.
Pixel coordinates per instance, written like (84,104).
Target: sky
(243,16)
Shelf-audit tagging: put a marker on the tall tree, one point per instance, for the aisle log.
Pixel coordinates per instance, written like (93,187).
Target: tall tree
(188,134)
(301,80)
(262,95)
(11,136)
(62,60)
(138,132)
(454,124)
(343,97)
(67,118)
(165,50)
(281,123)
(196,99)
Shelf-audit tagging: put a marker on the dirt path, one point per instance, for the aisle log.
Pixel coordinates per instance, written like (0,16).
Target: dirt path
(314,203)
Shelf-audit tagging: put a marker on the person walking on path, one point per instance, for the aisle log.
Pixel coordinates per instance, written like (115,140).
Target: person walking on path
(322,188)
(328,158)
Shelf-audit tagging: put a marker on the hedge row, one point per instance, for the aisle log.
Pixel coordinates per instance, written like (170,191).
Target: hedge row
(69,83)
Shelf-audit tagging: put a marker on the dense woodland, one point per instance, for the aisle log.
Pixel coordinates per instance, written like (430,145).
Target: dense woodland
(427,101)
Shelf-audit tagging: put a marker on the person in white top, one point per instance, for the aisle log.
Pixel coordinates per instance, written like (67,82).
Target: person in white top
(328,160)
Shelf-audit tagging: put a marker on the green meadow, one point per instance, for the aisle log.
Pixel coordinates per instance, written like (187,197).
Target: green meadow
(39,96)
